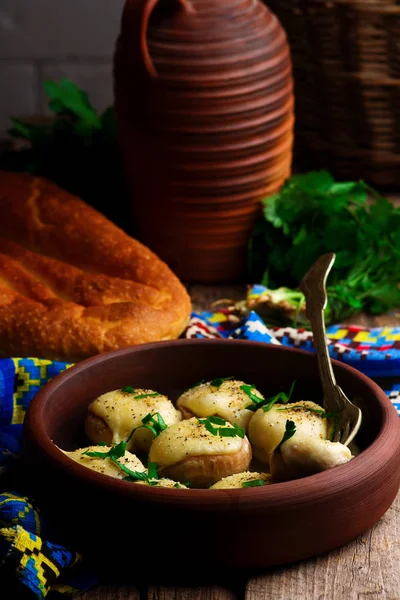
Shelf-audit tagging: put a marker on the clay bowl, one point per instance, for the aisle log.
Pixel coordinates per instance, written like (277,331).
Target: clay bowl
(240,528)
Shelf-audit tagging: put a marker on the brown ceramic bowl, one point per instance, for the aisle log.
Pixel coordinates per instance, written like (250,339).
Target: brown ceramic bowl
(202,529)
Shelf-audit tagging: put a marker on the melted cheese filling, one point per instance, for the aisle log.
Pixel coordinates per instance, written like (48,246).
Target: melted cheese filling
(123,411)
(227,401)
(105,465)
(190,438)
(266,429)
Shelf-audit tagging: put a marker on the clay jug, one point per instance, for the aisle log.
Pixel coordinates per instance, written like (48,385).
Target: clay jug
(204,105)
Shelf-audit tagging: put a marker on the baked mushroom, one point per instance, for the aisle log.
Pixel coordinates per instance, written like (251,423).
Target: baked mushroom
(201,451)
(113,416)
(222,397)
(243,480)
(105,465)
(303,455)
(266,427)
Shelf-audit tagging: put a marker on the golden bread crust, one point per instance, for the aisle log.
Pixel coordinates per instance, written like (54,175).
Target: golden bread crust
(72,284)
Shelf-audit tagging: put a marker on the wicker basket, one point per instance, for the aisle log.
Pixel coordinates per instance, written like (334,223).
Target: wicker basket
(346,56)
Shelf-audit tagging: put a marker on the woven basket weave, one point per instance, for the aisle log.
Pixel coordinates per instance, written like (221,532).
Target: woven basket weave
(346,57)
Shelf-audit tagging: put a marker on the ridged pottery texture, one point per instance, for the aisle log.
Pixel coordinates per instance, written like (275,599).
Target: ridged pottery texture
(204,104)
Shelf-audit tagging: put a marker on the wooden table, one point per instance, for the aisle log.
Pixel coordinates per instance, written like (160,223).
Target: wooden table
(367,569)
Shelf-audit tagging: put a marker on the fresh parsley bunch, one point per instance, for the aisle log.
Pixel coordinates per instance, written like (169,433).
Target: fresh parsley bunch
(313,214)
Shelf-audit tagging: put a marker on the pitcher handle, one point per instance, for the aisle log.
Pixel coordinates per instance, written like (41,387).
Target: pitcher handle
(148,7)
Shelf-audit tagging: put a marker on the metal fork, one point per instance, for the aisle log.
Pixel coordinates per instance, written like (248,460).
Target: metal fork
(313,286)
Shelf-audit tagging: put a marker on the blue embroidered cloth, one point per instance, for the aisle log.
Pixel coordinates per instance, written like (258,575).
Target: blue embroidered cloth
(29,556)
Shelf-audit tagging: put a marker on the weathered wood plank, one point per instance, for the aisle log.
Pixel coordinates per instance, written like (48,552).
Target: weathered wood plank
(191,593)
(111,592)
(367,569)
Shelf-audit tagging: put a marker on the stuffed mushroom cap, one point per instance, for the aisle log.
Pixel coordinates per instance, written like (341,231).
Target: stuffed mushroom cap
(266,429)
(112,417)
(227,400)
(105,465)
(303,455)
(188,451)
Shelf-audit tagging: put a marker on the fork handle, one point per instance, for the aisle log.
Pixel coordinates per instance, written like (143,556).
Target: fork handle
(328,380)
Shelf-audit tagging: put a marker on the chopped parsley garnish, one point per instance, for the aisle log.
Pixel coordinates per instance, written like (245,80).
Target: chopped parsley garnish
(319,411)
(151,478)
(219,381)
(281,398)
(130,390)
(290,430)
(267,403)
(115,452)
(257,400)
(253,483)
(194,385)
(152,470)
(154,422)
(234,431)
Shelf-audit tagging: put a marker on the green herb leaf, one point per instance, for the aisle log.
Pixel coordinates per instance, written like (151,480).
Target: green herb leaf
(229,432)
(68,99)
(153,422)
(157,420)
(253,483)
(281,397)
(94,454)
(234,431)
(257,400)
(266,403)
(152,470)
(115,452)
(216,420)
(312,215)
(290,430)
(194,386)
(132,475)
(128,389)
(219,381)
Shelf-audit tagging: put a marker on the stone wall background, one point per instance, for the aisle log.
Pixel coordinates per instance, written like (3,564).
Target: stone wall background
(52,39)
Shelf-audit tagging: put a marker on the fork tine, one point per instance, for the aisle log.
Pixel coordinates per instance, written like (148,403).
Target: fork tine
(338,434)
(353,430)
(345,431)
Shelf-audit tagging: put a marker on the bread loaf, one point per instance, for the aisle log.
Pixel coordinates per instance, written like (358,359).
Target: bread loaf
(72,284)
